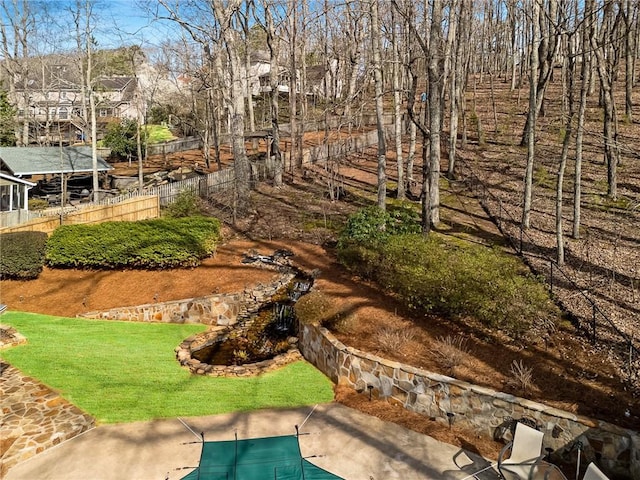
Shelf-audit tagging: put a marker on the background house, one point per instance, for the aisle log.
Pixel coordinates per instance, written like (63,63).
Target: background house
(53,104)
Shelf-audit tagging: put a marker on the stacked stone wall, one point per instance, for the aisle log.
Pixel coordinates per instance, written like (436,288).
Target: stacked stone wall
(484,410)
(223,310)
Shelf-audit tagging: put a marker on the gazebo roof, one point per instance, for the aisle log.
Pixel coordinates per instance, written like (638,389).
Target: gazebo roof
(20,161)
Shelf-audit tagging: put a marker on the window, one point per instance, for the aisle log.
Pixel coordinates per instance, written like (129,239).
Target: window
(63,95)
(63,113)
(5,196)
(103,112)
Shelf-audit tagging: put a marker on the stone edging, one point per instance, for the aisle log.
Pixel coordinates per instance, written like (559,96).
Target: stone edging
(10,337)
(445,399)
(219,309)
(195,366)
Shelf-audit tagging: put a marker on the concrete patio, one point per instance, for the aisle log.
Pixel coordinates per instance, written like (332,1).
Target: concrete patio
(334,437)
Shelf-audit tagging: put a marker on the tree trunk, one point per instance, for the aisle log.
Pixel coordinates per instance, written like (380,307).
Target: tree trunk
(356,33)
(531,119)
(628,57)
(584,90)
(377,72)
(436,65)
(396,108)
(547,46)
(235,103)
(569,62)
(606,67)
(455,91)
(273,81)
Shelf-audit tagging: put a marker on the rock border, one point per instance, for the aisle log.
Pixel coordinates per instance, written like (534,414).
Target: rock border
(196,367)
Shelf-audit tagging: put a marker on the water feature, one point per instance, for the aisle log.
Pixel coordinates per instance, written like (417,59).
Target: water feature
(270,332)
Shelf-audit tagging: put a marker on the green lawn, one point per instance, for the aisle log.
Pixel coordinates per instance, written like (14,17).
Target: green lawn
(125,372)
(158,134)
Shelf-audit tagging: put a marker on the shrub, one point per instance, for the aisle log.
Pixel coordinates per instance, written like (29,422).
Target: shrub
(22,254)
(316,308)
(313,308)
(36,204)
(372,227)
(450,352)
(185,205)
(521,377)
(151,244)
(447,276)
(394,338)
(121,138)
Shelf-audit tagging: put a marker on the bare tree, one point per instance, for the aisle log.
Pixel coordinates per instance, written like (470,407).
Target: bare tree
(214,24)
(585,68)
(379,89)
(569,70)
(355,34)
(604,50)
(547,46)
(533,113)
(433,51)
(292,16)
(629,51)
(461,24)
(436,70)
(272,43)
(396,70)
(16,29)
(84,20)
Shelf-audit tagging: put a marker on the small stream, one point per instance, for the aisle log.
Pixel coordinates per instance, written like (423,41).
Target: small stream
(265,335)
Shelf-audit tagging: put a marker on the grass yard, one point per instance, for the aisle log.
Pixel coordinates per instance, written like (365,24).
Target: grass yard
(158,134)
(125,371)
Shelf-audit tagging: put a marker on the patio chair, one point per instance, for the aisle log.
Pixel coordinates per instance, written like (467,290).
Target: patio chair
(594,473)
(525,453)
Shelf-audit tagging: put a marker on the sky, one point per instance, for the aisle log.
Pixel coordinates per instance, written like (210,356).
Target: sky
(133,24)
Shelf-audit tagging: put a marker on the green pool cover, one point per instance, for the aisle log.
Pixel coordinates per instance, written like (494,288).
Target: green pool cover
(269,458)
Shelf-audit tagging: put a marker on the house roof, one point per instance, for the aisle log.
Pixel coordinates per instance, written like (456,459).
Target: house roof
(46,160)
(115,82)
(7,179)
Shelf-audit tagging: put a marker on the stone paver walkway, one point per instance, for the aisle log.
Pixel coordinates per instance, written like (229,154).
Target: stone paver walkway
(34,418)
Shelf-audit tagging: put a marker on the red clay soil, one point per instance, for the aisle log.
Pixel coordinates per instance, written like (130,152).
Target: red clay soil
(70,292)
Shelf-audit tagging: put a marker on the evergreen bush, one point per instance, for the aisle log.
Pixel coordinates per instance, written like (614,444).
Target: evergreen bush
(22,254)
(185,205)
(149,244)
(447,276)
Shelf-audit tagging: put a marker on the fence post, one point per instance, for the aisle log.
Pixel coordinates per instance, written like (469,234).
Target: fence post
(593,324)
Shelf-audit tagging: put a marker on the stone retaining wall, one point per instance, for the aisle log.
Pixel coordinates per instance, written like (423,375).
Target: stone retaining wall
(195,366)
(484,410)
(221,309)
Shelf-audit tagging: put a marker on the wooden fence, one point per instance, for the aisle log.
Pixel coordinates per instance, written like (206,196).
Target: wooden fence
(206,185)
(132,209)
(181,145)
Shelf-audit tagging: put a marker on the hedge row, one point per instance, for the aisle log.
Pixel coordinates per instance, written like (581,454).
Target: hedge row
(22,254)
(452,277)
(149,244)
